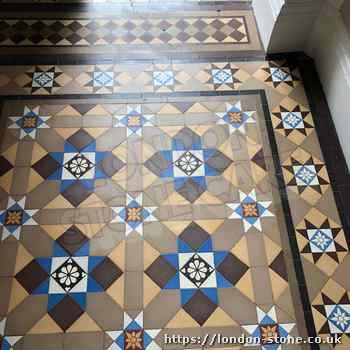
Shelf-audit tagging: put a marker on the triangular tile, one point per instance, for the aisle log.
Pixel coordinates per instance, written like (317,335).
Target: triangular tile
(182,320)
(210,226)
(118,255)
(84,324)
(116,291)
(150,290)
(18,294)
(59,203)
(68,111)
(45,326)
(240,250)
(169,109)
(245,286)
(176,226)
(219,318)
(23,258)
(65,133)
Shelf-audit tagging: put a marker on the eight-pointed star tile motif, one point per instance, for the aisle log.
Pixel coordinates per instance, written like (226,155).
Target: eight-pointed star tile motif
(134,120)
(336,311)
(134,214)
(188,163)
(78,166)
(250,210)
(44,79)
(133,336)
(235,117)
(14,217)
(268,328)
(198,271)
(29,122)
(68,275)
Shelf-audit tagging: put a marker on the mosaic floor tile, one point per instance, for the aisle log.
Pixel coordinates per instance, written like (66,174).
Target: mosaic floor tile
(97,32)
(169,201)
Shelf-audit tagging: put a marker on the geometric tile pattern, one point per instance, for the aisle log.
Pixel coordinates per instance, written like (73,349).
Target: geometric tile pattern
(235,118)
(331,310)
(306,175)
(133,120)
(292,121)
(268,329)
(14,217)
(29,122)
(134,214)
(188,163)
(99,32)
(77,167)
(67,276)
(321,240)
(250,210)
(133,335)
(197,271)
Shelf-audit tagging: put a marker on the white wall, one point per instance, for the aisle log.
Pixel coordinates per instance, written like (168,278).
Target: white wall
(329,45)
(316,27)
(266,13)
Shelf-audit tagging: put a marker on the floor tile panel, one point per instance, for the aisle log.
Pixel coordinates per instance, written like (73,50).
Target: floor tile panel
(135,195)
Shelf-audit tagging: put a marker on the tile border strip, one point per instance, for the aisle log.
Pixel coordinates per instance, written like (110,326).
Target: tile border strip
(101,7)
(333,154)
(147,97)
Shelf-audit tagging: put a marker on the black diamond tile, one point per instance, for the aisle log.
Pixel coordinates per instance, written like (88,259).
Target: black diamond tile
(31,276)
(111,165)
(160,271)
(191,190)
(197,270)
(66,312)
(232,268)
(5,165)
(200,307)
(76,193)
(80,139)
(106,273)
(79,165)
(68,275)
(188,163)
(46,166)
(194,235)
(72,240)
(219,161)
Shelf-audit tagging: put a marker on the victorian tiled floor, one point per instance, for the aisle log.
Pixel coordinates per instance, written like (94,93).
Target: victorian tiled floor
(144,199)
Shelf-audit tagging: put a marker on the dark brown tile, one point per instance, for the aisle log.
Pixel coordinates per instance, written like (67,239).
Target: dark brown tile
(106,273)
(66,312)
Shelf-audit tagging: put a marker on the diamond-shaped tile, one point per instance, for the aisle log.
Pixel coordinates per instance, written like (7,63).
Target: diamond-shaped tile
(191,190)
(200,307)
(31,276)
(232,268)
(76,193)
(80,139)
(72,240)
(46,166)
(160,271)
(66,312)
(194,235)
(111,165)
(106,273)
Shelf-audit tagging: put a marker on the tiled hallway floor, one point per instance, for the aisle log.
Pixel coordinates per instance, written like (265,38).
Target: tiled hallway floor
(144,199)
